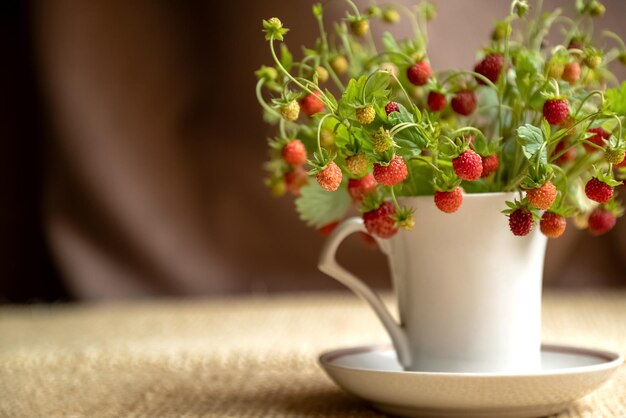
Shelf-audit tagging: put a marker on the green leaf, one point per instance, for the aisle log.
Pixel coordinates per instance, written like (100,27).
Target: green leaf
(376,87)
(419,182)
(531,139)
(402,116)
(615,100)
(286,59)
(318,207)
(352,96)
(390,43)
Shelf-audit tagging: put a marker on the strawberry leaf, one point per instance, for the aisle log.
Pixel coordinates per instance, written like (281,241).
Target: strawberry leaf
(376,87)
(615,99)
(286,59)
(531,139)
(317,207)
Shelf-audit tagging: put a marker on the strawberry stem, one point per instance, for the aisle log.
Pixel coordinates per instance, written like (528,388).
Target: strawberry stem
(324,55)
(262,101)
(319,132)
(587,97)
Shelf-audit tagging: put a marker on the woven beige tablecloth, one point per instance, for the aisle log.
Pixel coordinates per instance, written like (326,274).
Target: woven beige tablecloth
(238,357)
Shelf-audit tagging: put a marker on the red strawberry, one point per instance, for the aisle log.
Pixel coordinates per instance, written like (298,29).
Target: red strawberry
(552,224)
(620,165)
(555,110)
(571,72)
(311,104)
(600,221)
(380,222)
(436,101)
(449,202)
(419,73)
(490,165)
(490,67)
(359,188)
(521,221)
(391,107)
(598,191)
(464,102)
(542,197)
(295,179)
(330,177)
(391,174)
(598,139)
(468,166)
(294,152)
(328,229)
(568,155)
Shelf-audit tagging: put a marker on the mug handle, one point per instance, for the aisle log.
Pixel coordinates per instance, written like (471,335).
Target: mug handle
(328,265)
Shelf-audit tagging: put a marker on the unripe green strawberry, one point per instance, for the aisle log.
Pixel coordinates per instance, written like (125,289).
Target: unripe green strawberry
(359,27)
(593,60)
(322,74)
(357,164)
(596,9)
(499,31)
(555,69)
(290,111)
(365,115)
(429,10)
(373,11)
(266,73)
(277,186)
(391,15)
(339,64)
(614,156)
(382,140)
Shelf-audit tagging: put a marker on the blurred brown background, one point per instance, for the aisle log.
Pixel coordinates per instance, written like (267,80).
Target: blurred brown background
(133,151)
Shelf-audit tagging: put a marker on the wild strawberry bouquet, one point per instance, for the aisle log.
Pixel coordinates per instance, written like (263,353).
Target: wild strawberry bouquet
(361,123)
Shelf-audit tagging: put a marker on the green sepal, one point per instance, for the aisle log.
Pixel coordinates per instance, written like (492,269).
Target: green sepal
(274,29)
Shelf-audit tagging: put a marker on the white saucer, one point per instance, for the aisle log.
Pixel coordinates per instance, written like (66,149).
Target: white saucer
(373,374)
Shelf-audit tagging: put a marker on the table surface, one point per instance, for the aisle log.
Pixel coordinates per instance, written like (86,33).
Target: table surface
(234,357)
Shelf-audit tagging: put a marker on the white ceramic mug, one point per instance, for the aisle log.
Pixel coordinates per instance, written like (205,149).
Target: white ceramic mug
(469,291)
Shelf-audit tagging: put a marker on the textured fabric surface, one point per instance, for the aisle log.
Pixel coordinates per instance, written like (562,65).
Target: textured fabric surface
(244,357)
